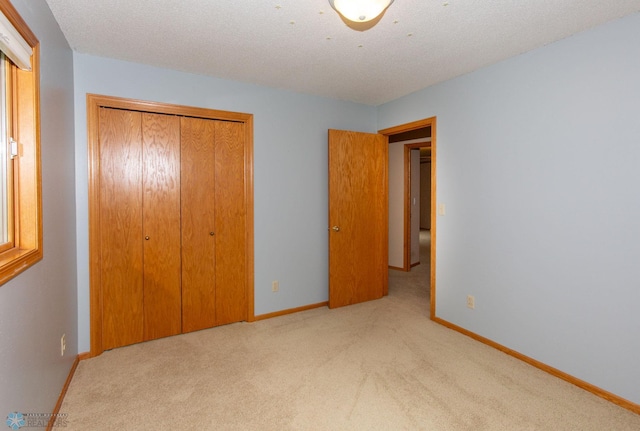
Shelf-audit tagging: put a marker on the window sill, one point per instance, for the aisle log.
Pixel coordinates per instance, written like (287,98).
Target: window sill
(16,260)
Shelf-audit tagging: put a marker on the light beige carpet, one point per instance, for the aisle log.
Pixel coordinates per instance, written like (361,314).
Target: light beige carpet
(381,365)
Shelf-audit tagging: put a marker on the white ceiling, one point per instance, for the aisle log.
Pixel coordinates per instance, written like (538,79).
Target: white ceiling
(304,46)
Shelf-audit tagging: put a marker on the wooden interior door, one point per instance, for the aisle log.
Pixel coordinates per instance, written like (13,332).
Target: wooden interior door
(121,249)
(173,225)
(151,167)
(198,224)
(358,217)
(231,223)
(214,235)
(161,225)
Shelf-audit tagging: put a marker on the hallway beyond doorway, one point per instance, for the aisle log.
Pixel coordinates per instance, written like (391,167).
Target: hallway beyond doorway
(415,282)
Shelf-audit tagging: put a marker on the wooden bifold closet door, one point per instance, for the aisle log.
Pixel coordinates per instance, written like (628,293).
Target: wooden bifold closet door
(213,220)
(172,225)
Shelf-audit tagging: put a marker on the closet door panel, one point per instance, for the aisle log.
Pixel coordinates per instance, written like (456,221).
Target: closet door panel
(198,224)
(161,225)
(121,253)
(230,219)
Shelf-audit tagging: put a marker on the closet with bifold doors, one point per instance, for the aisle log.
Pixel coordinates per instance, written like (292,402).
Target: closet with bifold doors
(169,220)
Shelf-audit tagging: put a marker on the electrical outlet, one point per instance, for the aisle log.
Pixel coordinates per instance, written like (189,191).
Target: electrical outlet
(275,286)
(63,344)
(471,302)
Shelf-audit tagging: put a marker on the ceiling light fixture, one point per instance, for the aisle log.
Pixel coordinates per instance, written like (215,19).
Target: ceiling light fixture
(360,10)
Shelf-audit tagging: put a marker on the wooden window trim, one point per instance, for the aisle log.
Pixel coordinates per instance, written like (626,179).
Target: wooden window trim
(27,210)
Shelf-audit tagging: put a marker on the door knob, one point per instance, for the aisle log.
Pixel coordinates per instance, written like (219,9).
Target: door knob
(336,229)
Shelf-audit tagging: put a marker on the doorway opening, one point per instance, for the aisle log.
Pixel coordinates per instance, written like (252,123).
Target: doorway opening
(412,146)
(417,200)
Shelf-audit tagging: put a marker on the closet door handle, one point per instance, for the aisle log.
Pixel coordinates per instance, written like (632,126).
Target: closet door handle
(211,233)
(147,238)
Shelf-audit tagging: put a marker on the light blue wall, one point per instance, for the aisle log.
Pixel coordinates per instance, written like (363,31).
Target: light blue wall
(290,152)
(538,164)
(39,305)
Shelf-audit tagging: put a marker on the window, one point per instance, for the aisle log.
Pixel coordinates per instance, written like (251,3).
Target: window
(20,184)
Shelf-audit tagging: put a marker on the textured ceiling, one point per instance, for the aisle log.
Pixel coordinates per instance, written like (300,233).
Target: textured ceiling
(304,46)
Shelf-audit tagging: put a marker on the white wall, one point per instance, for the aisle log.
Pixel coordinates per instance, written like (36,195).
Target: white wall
(425,196)
(39,305)
(396,205)
(290,170)
(538,165)
(415,206)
